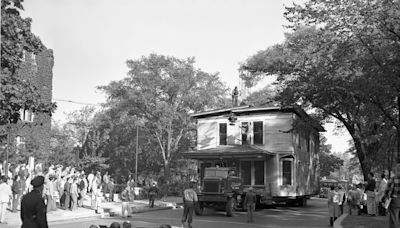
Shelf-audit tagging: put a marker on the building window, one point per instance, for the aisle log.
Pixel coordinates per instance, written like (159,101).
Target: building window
(252,172)
(259,172)
(20,144)
(258,132)
(286,172)
(245,170)
(222,133)
(26,115)
(245,133)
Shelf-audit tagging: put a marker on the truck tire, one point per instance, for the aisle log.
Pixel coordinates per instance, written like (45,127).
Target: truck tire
(199,209)
(302,202)
(230,207)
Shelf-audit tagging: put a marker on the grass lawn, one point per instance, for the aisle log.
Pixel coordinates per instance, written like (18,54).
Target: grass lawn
(365,221)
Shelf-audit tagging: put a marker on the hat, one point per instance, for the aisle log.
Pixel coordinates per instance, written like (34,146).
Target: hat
(251,188)
(37,181)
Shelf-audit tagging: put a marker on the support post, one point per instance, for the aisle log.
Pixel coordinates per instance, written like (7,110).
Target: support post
(137,152)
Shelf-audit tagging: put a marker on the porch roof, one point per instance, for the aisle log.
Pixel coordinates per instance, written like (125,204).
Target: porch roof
(228,151)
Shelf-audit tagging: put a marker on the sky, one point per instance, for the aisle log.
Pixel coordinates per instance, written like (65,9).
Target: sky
(93,39)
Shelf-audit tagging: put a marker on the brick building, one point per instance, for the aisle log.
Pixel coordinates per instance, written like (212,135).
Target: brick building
(32,132)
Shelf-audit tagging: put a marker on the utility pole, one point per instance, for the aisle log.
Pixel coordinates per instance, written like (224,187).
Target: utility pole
(137,152)
(8,147)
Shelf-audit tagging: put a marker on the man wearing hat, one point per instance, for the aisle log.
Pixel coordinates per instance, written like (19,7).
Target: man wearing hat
(33,209)
(250,203)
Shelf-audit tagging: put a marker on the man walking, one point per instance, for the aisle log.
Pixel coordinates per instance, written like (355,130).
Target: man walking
(33,209)
(153,192)
(250,204)
(74,194)
(90,179)
(189,201)
(394,195)
(5,197)
(17,190)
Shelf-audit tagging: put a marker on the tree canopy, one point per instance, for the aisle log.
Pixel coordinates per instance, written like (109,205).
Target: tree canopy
(16,40)
(159,94)
(328,162)
(342,58)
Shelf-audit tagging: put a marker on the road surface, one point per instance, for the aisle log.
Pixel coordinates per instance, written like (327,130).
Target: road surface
(314,215)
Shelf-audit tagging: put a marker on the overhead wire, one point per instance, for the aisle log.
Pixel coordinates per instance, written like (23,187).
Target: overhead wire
(75,102)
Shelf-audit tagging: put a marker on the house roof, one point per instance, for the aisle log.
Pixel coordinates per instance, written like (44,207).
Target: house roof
(243,110)
(227,151)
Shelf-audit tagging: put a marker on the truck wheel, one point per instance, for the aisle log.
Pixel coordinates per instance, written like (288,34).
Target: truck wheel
(230,207)
(199,209)
(302,202)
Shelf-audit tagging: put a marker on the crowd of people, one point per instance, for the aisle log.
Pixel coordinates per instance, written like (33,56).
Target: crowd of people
(63,188)
(369,198)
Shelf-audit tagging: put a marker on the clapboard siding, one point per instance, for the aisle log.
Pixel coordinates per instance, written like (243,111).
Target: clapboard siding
(276,131)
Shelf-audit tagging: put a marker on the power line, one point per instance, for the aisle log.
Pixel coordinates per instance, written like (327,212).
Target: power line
(75,102)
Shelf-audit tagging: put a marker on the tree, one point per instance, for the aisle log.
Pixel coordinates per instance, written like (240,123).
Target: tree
(373,29)
(328,162)
(329,61)
(266,95)
(162,91)
(61,146)
(17,93)
(87,139)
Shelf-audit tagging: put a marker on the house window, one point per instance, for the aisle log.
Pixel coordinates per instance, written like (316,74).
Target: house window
(258,132)
(245,132)
(259,172)
(245,171)
(252,172)
(286,172)
(222,134)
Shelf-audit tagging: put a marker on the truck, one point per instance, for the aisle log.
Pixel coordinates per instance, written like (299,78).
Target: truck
(220,190)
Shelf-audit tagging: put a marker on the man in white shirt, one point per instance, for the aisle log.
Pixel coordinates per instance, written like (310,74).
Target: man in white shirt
(5,197)
(189,201)
(90,181)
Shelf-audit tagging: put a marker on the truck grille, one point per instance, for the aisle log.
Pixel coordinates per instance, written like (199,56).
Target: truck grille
(211,186)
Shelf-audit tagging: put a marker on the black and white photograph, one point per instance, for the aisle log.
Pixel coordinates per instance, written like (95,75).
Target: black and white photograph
(200,114)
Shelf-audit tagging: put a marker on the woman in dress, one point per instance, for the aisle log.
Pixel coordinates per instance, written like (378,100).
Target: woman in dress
(333,204)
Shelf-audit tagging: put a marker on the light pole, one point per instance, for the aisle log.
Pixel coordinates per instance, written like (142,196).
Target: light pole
(137,152)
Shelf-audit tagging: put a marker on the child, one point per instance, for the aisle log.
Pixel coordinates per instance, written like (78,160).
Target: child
(125,197)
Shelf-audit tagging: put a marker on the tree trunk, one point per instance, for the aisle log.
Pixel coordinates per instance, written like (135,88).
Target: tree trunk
(364,161)
(167,171)
(398,143)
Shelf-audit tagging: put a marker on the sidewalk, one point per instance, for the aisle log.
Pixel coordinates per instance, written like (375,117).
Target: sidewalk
(363,221)
(109,209)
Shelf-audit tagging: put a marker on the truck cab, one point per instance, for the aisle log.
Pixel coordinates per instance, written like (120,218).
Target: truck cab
(221,190)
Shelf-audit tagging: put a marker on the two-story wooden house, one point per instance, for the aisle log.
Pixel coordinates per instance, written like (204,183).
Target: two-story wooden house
(273,149)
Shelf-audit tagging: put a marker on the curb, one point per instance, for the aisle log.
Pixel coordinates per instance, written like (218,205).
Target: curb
(113,213)
(338,222)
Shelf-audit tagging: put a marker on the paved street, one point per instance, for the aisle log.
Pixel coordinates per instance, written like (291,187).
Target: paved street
(313,215)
